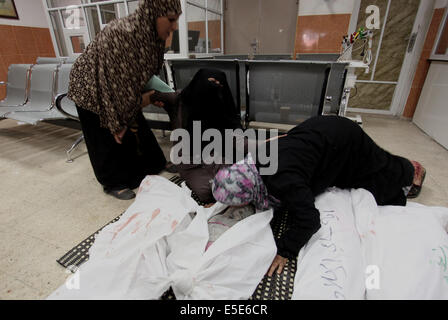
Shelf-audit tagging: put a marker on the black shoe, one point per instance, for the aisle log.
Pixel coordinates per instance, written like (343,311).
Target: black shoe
(125,194)
(419,178)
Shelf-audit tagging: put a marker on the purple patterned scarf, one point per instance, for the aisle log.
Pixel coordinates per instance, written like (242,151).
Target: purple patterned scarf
(241,184)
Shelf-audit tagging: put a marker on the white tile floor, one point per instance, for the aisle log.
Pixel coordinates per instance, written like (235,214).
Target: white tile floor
(48,205)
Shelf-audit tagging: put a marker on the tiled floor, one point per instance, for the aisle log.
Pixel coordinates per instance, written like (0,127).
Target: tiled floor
(48,205)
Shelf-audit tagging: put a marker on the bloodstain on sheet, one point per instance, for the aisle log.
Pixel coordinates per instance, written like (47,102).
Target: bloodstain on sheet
(174,224)
(136,228)
(143,185)
(125,224)
(155,213)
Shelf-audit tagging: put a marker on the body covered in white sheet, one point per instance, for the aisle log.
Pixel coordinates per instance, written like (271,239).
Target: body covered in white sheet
(364,251)
(330,266)
(406,246)
(159,243)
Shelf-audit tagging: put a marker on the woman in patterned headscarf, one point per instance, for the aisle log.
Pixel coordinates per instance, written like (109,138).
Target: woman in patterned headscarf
(106,83)
(241,185)
(320,153)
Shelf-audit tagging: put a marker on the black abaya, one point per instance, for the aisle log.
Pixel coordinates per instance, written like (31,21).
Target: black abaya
(213,105)
(325,152)
(120,166)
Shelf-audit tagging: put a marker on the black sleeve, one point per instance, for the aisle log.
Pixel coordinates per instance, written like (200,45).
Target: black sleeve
(299,158)
(299,166)
(303,219)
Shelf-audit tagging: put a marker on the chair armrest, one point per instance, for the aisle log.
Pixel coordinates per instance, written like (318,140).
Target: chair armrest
(59,98)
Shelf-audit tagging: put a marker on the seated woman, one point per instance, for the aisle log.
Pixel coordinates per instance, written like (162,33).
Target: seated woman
(322,152)
(207,99)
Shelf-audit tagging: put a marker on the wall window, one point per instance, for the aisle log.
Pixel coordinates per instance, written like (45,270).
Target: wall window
(69,27)
(196,20)
(200,26)
(133,5)
(109,12)
(204,20)
(78,44)
(76,22)
(214,32)
(441,46)
(58,34)
(73,18)
(64,3)
(93,21)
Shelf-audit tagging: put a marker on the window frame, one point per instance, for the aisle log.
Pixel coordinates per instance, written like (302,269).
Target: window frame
(182,24)
(434,55)
(219,13)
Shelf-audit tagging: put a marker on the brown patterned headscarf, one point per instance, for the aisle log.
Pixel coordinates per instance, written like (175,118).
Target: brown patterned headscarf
(108,78)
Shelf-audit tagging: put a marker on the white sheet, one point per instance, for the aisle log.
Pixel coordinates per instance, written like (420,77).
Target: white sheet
(330,266)
(366,251)
(361,251)
(409,248)
(156,244)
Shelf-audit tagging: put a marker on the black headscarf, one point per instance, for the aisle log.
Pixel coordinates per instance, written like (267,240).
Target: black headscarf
(108,78)
(211,103)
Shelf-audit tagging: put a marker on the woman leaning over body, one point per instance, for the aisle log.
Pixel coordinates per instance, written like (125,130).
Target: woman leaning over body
(320,153)
(106,83)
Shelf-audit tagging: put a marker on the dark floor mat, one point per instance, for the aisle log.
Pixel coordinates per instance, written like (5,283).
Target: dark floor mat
(80,253)
(277,287)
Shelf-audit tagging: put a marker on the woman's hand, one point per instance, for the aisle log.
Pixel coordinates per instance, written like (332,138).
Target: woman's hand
(278,263)
(146,100)
(119,135)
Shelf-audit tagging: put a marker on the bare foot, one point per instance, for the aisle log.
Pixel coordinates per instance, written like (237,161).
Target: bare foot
(419,174)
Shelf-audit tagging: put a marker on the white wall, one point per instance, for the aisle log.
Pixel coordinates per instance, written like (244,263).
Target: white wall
(322,7)
(431,114)
(31,14)
(441,4)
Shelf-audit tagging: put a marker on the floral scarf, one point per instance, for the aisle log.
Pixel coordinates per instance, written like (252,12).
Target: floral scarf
(241,184)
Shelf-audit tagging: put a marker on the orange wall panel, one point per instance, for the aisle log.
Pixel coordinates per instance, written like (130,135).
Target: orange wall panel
(321,33)
(22,45)
(8,43)
(214,31)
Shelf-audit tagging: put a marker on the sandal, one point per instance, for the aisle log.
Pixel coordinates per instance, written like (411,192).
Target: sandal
(419,178)
(125,194)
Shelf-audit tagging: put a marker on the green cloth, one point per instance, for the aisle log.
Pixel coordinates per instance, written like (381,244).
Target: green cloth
(155,83)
